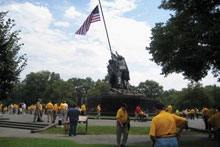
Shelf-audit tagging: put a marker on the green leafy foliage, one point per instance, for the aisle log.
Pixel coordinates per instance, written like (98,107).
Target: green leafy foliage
(150,89)
(188,42)
(11,64)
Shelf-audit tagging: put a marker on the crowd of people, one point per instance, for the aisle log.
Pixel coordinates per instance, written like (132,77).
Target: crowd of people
(165,136)
(163,126)
(39,109)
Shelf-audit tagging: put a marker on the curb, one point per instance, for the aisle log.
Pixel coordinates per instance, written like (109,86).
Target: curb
(40,130)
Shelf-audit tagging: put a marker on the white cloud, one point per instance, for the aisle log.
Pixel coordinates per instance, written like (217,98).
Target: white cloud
(72,13)
(116,7)
(86,56)
(61,24)
(30,17)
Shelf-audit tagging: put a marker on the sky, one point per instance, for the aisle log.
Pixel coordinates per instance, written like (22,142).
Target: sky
(48,32)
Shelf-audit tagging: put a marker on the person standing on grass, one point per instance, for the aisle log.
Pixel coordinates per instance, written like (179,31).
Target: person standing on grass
(163,128)
(122,125)
(98,111)
(83,109)
(137,112)
(73,115)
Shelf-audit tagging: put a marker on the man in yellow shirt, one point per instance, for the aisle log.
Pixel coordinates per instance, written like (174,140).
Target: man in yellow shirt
(83,109)
(211,112)
(63,112)
(5,109)
(170,108)
(98,111)
(49,108)
(122,125)
(192,114)
(204,116)
(215,121)
(163,128)
(55,110)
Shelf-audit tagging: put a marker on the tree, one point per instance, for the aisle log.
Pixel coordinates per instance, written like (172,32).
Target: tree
(96,92)
(82,87)
(189,41)
(214,92)
(11,64)
(150,89)
(194,97)
(35,86)
(61,91)
(170,97)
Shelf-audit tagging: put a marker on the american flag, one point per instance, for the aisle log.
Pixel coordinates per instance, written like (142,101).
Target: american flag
(93,17)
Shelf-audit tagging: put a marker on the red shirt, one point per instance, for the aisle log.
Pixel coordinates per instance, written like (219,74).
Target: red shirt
(138,109)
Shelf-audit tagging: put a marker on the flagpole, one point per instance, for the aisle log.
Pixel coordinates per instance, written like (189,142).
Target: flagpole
(105,28)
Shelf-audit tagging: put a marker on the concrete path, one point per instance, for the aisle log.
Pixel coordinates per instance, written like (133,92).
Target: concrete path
(91,139)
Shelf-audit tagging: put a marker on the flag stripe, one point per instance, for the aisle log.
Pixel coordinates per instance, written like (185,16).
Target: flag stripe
(93,17)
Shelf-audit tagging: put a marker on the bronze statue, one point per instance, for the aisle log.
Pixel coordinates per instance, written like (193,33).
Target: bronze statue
(118,72)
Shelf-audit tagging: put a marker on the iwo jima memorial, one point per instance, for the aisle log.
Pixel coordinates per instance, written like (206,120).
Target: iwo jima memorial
(120,91)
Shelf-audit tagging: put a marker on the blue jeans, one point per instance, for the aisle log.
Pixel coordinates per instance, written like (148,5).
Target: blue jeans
(73,128)
(166,142)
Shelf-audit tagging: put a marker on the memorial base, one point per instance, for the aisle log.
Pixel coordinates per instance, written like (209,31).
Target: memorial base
(112,100)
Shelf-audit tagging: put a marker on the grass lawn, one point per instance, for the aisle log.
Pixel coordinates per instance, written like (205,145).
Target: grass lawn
(106,130)
(35,142)
(99,130)
(111,117)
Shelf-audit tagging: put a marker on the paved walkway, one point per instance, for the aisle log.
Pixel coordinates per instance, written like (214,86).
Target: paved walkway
(91,139)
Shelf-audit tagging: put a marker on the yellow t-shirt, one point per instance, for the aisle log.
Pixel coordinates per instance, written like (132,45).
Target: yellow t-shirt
(15,106)
(142,113)
(215,120)
(55,108)
(83,107)
(170,109)
(192,111)
(122,115)
(33,106)
(62,106)
(164,124)
(5,108)
(41,107)
(211,112)
(49,106)
(205,111)
(98,108)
